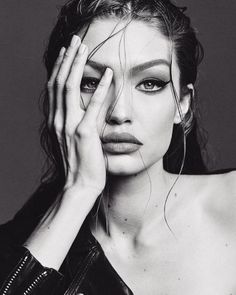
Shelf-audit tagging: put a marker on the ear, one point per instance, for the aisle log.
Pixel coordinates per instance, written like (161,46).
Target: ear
(187,93)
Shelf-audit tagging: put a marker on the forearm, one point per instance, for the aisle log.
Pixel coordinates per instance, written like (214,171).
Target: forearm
(51,240)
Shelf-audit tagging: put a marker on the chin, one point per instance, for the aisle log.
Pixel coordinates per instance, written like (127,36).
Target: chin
(124,165)
(121,171)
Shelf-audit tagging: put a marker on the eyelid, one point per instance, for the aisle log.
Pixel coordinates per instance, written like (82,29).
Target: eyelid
(91,75)
(153,79)
(164,83)
(88,78)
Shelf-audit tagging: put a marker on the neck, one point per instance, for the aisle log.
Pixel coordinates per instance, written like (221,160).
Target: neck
(133,204)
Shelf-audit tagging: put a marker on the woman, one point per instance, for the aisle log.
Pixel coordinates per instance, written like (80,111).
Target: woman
(122,209)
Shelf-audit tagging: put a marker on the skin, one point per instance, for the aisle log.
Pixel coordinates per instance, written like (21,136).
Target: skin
(198,256)
(133,47)
(139,245)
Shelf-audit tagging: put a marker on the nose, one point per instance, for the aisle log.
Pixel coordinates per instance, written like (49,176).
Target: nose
(119,111)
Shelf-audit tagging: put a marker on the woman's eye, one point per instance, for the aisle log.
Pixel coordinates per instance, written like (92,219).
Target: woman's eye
(151,85)
(89,85)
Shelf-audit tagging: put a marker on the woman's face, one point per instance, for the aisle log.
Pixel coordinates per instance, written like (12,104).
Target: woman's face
(140,100)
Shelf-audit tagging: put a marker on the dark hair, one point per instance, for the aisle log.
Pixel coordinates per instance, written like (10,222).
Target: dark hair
(76,15)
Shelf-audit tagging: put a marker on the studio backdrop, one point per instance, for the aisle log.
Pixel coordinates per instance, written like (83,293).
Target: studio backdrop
(24,29)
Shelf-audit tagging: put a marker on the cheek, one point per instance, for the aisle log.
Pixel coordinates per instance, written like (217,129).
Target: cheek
(157,123)
(158,114)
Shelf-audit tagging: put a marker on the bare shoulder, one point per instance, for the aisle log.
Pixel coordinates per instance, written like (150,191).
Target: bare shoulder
(220,189)
(216,196)
(212,224)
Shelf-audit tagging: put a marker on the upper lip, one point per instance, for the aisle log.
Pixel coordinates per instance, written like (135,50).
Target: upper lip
(120,137)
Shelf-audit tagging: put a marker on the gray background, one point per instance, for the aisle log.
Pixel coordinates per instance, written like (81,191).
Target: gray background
(24,28)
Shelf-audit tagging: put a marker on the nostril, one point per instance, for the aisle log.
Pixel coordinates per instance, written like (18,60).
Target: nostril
(117,120)
(112,122)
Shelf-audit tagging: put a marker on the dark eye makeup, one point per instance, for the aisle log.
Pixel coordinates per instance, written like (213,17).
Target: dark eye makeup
(148,85)
(152,85)
(89,84)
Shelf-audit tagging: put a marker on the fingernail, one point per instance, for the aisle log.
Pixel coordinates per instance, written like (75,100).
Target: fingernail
(82,48)
(62,51)
(74,40)
(108,72)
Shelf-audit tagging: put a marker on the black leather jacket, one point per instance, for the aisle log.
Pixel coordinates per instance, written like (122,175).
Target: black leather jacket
(85,269)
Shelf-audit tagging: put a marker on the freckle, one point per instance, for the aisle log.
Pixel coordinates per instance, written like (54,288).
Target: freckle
(178,279)
(226,245)
(156,206)
(126,219)
(123,233)
(144,269)
(176,195)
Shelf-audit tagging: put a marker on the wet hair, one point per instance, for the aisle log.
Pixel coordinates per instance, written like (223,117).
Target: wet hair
(185,150)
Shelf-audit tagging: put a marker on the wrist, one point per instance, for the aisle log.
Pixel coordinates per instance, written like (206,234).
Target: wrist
(80,194)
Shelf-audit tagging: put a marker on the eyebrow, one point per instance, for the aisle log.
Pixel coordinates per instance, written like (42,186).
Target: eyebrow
(138,68)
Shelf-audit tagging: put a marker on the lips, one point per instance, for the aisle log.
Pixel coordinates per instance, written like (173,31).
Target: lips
(116,137)
(120,143)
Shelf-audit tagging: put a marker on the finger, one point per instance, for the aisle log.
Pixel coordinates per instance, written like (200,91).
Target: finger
(61,79)
(74,113)
(50,85)
(98,97)
(64,153)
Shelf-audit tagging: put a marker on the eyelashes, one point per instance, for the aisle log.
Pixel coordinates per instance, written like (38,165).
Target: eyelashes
(149,86)
(152,85)
(89,84)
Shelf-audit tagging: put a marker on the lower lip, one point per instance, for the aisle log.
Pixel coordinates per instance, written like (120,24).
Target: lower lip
(120,147)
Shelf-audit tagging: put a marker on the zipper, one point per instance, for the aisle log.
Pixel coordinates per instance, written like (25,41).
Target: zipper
(35,283)
(15,275)
(32,286)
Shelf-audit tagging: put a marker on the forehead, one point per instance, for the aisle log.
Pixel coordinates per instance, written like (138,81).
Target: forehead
(134,43)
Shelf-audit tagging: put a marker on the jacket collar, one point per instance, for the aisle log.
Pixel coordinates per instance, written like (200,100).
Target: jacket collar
(84,244)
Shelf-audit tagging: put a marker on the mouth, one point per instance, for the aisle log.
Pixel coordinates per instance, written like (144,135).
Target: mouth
(121,143)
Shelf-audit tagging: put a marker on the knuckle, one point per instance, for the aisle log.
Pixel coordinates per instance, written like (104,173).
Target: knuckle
(58,127)
(68,131)
(101,84)
(82,132)
(67,53)
(59,81)
(69,85)
(50,84)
